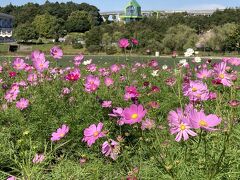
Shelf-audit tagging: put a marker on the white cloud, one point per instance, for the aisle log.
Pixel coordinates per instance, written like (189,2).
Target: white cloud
(203,7)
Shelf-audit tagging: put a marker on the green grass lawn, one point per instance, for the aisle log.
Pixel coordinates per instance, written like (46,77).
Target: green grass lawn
(107,59)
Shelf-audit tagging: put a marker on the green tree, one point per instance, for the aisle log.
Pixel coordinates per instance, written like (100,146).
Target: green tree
(224,37)
(25,32)
(180,37)
(94,37)
(78,21)
(45,25)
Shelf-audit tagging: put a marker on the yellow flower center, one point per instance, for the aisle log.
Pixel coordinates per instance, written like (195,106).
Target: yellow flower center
(134,116)
(203,123)
(194,89)
(62,135)
(182,127)
(41,65)
(95,134)
(221,76)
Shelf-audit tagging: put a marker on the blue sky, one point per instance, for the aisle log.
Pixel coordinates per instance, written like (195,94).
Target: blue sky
(109,5)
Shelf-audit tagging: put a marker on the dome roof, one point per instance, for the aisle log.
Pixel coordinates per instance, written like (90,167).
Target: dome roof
(133,3)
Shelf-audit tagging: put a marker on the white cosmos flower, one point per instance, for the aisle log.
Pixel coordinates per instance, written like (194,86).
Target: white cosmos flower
(189,52)
(197,59)
(183,62)
(87,62)
(155,73)
(164,67)
(196,52)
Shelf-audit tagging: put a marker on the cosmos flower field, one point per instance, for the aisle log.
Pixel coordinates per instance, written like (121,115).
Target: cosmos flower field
(131,120)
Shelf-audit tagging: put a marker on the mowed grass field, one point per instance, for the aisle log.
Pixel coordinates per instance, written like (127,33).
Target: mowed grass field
(107,59)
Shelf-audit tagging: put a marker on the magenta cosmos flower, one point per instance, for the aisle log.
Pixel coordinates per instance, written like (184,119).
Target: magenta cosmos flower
(111,148)
(22,104)
(92,83)
(134,41)
(73,75)
(133,114)
(92,133)
(56,52)
(19,64)
(60,133)
(220,74)
(123,43)
(200,120)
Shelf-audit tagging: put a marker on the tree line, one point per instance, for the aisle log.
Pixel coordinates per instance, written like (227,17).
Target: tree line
(164,33)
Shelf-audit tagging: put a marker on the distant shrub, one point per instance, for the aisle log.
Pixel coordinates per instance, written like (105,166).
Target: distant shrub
(77,46)
(94,48)
(111,50)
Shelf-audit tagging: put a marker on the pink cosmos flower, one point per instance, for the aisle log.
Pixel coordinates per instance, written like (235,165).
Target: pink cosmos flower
(19,64)
(108,81)
(103,72)
(92,67)
(179,124)
(10,97)
(220,74)
(56,52)
(79,57)
(123,43)
(196,90)
(117,112)
(106,104)
(200,120)
(114,68)
(60,133)
(37,56)
(92,83)
(212,96)
(147,124)
(133,114)
(204,74)
(233,61)
(130,92)
(32,77)
(183,130)
(40,65)
(234,103)
(92,133)
(111,148)
(38,158)
(153,63)
(66,91)
(171,81)
(11,178)
(22,104)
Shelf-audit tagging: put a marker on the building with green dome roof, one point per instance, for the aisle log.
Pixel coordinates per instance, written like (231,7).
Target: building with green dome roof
(132,12)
